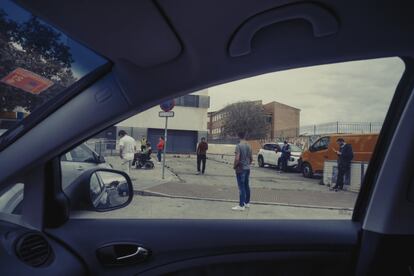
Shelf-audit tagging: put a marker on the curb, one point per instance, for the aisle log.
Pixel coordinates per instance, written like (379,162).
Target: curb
(150,193)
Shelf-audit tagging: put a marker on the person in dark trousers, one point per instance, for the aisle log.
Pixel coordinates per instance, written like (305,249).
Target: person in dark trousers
(285,156)
(143,143)
(160,148)
(345,156)
(242,161)
(201,155)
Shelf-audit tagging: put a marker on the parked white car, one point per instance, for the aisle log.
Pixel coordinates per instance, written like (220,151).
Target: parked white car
(73,164)
(270,155)
(79,159)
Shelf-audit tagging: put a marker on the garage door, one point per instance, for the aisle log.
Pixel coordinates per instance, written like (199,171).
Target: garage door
(179,141)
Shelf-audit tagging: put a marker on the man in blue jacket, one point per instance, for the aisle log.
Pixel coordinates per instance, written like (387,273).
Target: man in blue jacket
(345,156)
(286,151)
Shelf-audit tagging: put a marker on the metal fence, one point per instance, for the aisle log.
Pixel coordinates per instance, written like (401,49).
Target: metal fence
(104,147)
(309,134)
(341,127)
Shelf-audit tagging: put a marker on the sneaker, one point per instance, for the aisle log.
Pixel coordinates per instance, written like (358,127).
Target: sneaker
(158,163)
(198,173)
(238,208)
(247,205)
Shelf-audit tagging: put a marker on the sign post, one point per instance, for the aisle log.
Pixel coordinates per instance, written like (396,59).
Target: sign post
(167,107)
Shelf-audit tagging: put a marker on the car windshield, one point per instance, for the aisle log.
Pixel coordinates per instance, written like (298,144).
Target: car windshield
(37,64)
(295,148)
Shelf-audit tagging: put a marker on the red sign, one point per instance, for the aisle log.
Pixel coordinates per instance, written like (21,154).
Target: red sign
(27,81)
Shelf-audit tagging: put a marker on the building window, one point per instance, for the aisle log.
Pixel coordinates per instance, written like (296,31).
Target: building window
(193,101)
(268,118)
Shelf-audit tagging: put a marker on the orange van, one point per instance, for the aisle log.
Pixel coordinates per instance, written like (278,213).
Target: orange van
(313,159)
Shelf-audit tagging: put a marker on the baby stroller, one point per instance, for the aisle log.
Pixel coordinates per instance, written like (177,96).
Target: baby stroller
(142,160)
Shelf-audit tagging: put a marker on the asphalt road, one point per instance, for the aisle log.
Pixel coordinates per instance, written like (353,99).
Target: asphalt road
(220,178)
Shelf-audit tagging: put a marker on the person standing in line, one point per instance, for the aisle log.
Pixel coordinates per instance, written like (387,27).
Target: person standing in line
(160,148)
(202,155)
(345,156)
(143,143)
(127,148)
(242,161)
(286,151)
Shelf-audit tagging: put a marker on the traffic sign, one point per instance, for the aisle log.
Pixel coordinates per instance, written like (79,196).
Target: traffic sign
(168,105)
(166,114)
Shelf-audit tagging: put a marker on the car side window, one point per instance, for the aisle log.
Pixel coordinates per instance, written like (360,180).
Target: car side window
(80,154)
(298,185)
(321,144)
(66,157)
(11,199)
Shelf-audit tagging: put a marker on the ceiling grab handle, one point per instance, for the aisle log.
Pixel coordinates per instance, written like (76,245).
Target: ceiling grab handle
(323,21)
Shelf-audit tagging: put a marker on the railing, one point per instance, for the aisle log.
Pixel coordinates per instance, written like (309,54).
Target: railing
(341,127)
(104,147)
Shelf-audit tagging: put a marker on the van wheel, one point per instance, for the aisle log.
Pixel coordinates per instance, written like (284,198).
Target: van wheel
(260,161)
(307,170)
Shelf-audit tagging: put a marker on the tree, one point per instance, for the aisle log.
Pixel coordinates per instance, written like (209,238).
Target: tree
(38,48)
(247,117)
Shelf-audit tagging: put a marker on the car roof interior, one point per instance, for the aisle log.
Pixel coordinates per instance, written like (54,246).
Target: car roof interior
(195,44)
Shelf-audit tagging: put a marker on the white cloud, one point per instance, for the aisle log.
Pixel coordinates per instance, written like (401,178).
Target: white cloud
(358,91)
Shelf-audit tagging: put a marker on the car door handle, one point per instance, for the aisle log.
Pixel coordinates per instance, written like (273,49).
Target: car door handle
(140,251)
(325,156)
(80,168)
(122,254)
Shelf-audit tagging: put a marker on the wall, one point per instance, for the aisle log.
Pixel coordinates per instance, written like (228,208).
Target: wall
(185,118)
(286,120)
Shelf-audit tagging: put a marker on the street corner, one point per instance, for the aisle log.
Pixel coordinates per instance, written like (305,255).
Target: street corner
(144,178)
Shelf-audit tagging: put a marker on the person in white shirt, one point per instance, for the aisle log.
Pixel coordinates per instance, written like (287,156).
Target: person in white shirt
(127,148)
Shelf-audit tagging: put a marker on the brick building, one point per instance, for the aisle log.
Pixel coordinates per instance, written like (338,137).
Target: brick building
(283,120)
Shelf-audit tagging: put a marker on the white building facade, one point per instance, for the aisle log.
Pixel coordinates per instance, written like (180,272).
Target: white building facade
(185,129)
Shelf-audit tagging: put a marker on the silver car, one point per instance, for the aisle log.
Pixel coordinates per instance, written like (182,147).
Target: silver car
(73,163)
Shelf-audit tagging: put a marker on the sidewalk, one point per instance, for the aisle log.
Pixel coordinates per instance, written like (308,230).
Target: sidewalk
(144,179)
(179,183)
(315,199)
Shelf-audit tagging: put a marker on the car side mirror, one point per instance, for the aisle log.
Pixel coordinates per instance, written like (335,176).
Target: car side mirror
(100,190)
(101,159)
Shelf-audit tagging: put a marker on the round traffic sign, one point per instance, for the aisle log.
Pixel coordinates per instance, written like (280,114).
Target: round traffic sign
(168,105)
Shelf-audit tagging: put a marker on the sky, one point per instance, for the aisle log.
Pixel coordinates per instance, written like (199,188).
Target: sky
(357,91)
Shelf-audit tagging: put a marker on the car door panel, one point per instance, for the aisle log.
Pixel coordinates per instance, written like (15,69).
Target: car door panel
(266,154)
(272,155)
(61,261)
(204,246)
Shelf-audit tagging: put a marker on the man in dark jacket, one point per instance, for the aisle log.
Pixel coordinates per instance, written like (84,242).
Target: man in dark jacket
(286,151)
(345,156)
(202,155)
